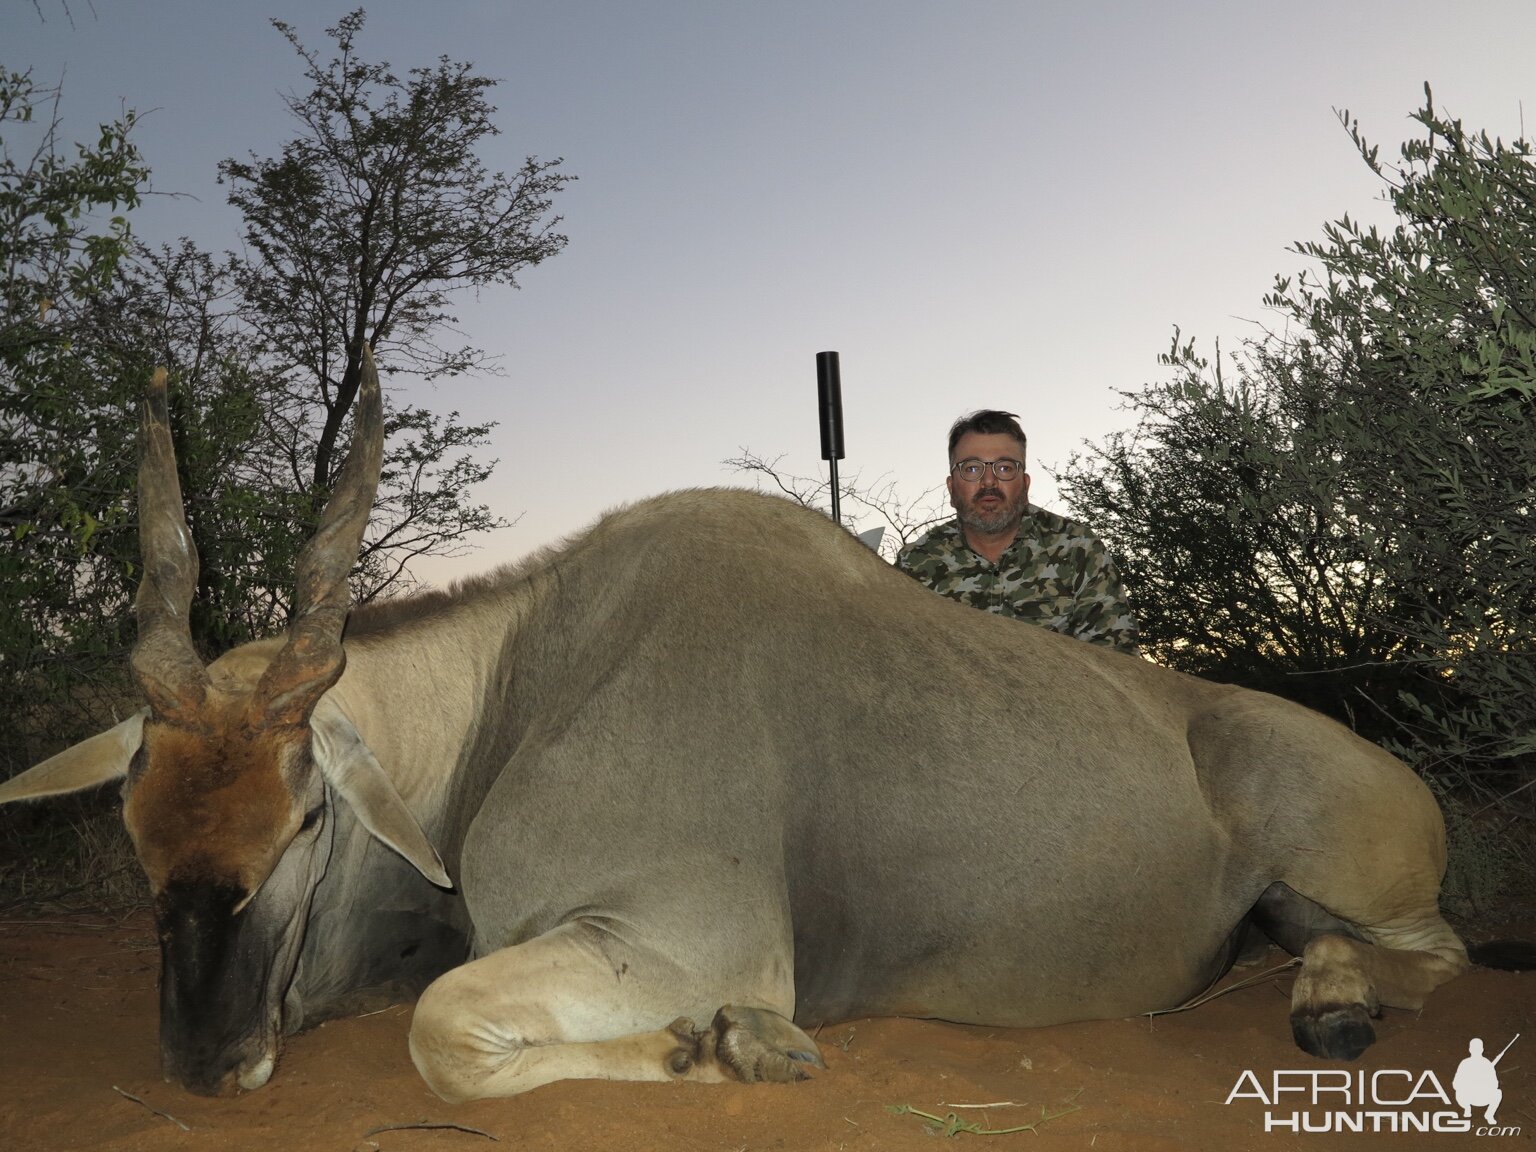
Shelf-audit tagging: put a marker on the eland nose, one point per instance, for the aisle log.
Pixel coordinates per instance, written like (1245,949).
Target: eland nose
(257,1074)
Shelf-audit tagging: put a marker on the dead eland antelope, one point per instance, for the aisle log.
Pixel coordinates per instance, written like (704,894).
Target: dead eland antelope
(712,760)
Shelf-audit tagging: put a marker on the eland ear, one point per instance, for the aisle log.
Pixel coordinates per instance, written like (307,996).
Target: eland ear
(103,757)
(349,767)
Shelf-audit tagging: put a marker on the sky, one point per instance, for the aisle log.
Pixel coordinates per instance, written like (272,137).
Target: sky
(976,203)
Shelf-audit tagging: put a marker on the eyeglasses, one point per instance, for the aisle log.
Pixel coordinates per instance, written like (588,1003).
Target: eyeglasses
(971,470)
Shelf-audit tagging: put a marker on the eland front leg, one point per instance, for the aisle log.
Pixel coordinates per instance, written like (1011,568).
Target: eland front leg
(580,1003)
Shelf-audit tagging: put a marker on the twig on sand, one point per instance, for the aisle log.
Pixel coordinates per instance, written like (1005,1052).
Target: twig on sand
(429,1124)
(953,1125)
(143,1104)
(377,1011)
(1207,997)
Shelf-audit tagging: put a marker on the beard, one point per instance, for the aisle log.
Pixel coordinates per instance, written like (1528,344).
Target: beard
(1005,516)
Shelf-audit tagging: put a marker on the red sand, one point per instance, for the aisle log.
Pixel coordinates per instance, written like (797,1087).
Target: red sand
(77,1029)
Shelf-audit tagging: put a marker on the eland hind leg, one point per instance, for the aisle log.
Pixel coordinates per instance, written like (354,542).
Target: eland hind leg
(1377,868)
(579,1003)
(1349,971)
(1356,846)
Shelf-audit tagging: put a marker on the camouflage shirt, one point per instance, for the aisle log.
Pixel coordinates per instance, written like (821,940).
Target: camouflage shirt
(1056,573)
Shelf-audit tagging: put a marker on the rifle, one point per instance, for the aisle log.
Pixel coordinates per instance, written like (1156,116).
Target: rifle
(1505,1049)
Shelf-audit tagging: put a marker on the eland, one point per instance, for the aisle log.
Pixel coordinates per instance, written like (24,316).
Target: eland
(647,804)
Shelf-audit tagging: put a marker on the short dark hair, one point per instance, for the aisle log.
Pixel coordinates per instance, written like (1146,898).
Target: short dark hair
(989,422)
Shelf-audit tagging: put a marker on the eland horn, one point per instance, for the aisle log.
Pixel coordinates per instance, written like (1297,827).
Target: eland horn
(164,662)
(313,658)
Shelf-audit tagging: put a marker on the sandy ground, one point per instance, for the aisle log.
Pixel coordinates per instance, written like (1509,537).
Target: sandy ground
(77,1042)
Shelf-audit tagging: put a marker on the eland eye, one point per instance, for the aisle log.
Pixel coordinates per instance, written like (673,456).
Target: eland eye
(312,817)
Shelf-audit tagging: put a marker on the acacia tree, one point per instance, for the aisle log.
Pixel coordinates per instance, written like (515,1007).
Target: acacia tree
(63,238)
(178,307)
(360,232)
(1344,514)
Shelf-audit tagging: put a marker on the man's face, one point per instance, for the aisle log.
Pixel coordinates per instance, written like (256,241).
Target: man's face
(988,505)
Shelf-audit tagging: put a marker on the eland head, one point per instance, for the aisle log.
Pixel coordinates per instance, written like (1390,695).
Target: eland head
(231,770)
(223,801)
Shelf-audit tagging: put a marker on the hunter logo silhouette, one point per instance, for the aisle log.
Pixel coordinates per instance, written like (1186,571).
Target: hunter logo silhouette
(1477,1080)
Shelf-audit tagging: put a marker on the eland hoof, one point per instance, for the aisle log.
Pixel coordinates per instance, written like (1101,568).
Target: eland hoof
(746,1044)
(755,1044)
(1334,1034)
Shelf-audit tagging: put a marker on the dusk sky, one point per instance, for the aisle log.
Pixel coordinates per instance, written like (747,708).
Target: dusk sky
(978,204)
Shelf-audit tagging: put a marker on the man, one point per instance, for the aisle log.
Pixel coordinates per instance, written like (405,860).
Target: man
(1002,555)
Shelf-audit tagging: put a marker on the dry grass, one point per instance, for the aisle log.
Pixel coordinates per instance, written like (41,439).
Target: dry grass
(68,855)
(1491,870)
